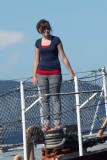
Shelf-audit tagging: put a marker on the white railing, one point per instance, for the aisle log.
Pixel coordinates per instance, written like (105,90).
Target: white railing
(78,107)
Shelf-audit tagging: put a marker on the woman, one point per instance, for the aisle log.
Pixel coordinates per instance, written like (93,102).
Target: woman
(47,70)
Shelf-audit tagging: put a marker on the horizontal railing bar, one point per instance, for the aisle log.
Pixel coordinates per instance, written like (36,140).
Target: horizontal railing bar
(56,94)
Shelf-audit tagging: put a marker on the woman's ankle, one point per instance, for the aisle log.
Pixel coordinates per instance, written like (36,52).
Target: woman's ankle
(57,127)
(45,128)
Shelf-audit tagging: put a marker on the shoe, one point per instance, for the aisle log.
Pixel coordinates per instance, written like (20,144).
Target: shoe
(45,128)
(57,124)
(57,127)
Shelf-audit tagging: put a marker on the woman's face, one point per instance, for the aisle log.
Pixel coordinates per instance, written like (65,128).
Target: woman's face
(46,32)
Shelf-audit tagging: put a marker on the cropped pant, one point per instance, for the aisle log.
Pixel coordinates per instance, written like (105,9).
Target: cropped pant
(50,84)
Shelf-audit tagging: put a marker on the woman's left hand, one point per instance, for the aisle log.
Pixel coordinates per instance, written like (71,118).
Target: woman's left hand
(72,75)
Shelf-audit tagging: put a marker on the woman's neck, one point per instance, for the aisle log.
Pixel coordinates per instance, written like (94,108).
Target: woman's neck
(47,37)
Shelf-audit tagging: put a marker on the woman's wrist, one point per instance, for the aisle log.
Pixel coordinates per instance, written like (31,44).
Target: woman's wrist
(72,73)
(35,75)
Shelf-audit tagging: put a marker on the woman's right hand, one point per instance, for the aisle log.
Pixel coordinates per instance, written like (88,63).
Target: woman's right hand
(35,81)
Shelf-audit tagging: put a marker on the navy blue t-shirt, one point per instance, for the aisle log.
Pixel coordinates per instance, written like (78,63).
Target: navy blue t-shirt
(49,56)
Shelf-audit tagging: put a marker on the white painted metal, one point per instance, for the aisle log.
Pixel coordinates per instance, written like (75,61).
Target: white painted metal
(95,115)
(78,117)
(90,98)
(24,110)
(105,88)
(23,120)
(33,104)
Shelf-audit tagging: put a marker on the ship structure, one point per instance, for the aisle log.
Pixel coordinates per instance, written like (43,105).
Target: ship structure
(83,119)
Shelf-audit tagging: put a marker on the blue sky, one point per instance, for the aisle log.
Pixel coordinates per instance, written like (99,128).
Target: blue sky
(80,24)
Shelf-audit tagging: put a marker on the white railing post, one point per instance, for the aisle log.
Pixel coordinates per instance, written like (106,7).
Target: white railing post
(105,88)
(23,120)
(78,117)
(95,115)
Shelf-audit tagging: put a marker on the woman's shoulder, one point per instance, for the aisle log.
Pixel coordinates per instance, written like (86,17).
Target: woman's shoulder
(38,42)
(56,39)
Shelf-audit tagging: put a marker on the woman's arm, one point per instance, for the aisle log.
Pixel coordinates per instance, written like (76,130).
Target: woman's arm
(36,62)
(65,60)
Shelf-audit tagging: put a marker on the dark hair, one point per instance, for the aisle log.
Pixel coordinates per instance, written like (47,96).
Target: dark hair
(42,25)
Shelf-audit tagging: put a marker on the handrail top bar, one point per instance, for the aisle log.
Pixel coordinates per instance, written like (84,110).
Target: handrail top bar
(55,94)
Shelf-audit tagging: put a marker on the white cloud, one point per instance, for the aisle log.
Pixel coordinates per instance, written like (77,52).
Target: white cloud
(8,38)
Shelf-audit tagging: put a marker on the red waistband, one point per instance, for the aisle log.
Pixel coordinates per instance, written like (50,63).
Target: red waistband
(49,72)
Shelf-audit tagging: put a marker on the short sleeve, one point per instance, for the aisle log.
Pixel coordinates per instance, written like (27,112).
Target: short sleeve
(58,40)
(37,44)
